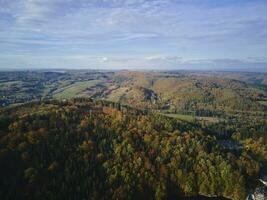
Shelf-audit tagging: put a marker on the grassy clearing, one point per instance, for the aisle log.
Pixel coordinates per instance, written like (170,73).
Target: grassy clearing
(8,85)
(188,118)
(209,119)
(74,89)
(117,94)
(58,87)
(263,102)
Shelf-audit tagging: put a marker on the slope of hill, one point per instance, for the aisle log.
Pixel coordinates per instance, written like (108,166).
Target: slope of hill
(102,150)
(204,94)
(191,93)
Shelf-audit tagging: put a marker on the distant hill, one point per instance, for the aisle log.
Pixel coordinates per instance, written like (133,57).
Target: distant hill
(185,92)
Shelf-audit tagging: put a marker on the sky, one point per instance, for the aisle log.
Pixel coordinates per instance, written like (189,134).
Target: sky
(134,34)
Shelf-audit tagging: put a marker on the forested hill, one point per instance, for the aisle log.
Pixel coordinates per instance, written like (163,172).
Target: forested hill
(205,95)
(99,150)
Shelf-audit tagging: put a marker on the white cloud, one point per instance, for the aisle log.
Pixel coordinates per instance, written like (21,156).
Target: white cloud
(104,59)
(150,33)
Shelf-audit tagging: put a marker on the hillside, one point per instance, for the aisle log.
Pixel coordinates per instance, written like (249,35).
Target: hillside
(100,150)
(226,104)
(206,95)
(203,94)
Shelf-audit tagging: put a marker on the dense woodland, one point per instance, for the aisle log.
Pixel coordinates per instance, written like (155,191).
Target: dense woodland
(84,149)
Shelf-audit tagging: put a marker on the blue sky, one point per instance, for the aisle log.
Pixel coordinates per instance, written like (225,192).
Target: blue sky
(134,34)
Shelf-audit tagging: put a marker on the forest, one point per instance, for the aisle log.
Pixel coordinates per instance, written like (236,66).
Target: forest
(86,149)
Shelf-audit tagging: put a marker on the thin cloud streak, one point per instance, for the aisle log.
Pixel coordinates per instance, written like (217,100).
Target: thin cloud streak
(192,30)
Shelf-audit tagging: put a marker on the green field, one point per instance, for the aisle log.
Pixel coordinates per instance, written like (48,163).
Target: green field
(263,102)
(117,94)
(188,118)
(74,89)
(9,84)
(209,119)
